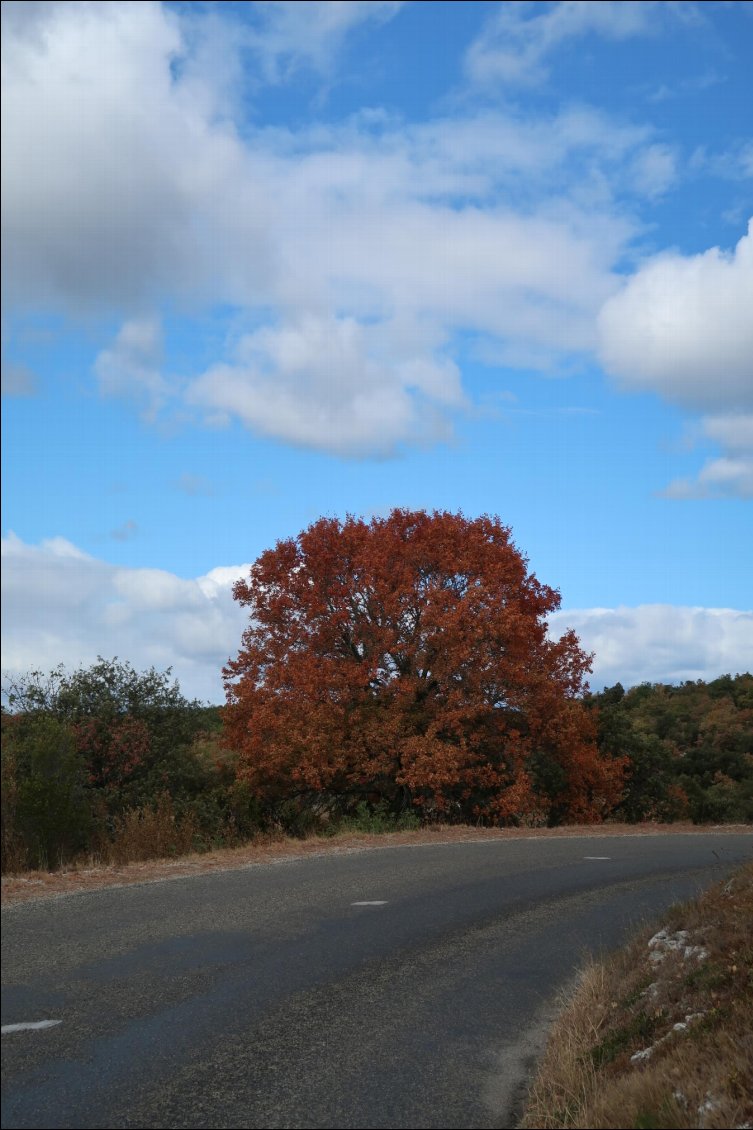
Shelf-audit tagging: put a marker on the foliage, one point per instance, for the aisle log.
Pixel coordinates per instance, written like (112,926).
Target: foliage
(153,832)
(115,762)
(46,812)
(406,661)
(377,818)
(132,728)
(689,748)
(393,673)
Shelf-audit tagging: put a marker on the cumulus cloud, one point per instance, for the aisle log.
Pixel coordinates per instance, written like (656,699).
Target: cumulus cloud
(315,384)
(132,365)
(62,606)
(727,476)
(661,643)
(724,477)
(127,187)
(681,326)
(88,195)
(117,174)
(363,253)
(519,38)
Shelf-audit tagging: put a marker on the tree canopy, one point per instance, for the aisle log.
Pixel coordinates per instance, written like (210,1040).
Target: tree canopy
(688,748)
(92,757)
(129,725)
(406,660)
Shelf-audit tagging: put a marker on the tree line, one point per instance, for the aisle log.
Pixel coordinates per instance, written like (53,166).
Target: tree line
(688,748)
(118,764)
(115,763)
(393,672)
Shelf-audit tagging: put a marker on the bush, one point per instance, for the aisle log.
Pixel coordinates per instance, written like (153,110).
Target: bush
(109,757)
(47,812)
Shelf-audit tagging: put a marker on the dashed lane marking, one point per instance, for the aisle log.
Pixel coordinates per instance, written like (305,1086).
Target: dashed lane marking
(28,1026)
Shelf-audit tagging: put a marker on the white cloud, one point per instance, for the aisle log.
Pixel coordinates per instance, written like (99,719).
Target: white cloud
(87,192)
(118,178)
(728,476)
(62,606)
(724,477)
(314,383)
(291,34)
(376,272)
(132,365)
(681,88)
(733,431)
(654,170)
(371,244)
(733,163)
(661,643)
(365,248)
(682,326)
(518,39)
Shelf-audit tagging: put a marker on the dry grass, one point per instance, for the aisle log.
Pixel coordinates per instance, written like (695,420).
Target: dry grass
(617,1056)
(150,833)
(103,870)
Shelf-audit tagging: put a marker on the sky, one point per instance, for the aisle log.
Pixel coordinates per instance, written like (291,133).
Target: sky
(264,262)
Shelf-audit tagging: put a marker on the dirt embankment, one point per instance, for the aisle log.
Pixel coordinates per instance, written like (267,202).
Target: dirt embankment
(660,1034)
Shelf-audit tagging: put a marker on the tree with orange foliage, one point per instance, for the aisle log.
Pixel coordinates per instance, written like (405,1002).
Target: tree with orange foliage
(406,660)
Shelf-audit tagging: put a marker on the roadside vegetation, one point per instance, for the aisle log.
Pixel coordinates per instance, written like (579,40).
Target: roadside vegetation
(395,673)
(107,765)
(113,764)
(689,748)
(660,1034)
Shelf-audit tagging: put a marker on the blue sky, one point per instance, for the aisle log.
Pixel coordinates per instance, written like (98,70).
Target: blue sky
(268,261)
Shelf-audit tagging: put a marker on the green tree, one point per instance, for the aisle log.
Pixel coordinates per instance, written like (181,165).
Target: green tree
(134,729)
(689,747)
(47,815)
(650,792)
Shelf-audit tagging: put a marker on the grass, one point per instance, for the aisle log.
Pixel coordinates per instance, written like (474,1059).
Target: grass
(660,1034)
(155,832)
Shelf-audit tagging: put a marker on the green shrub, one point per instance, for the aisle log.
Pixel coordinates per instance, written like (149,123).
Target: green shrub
(47,813)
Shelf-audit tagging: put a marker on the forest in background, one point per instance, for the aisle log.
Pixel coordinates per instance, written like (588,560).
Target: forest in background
(115,765)
(689,748)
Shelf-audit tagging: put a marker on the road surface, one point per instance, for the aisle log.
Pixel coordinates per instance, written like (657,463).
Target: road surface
(404,987)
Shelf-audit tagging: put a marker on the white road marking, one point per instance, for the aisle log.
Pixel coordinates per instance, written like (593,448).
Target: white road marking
(29,1025)
(373,902)
(597,857)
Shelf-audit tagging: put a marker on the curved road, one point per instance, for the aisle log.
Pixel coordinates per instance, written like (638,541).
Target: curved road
(402,987)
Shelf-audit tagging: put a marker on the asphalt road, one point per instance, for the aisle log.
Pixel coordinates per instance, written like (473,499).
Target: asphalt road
(268,997)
